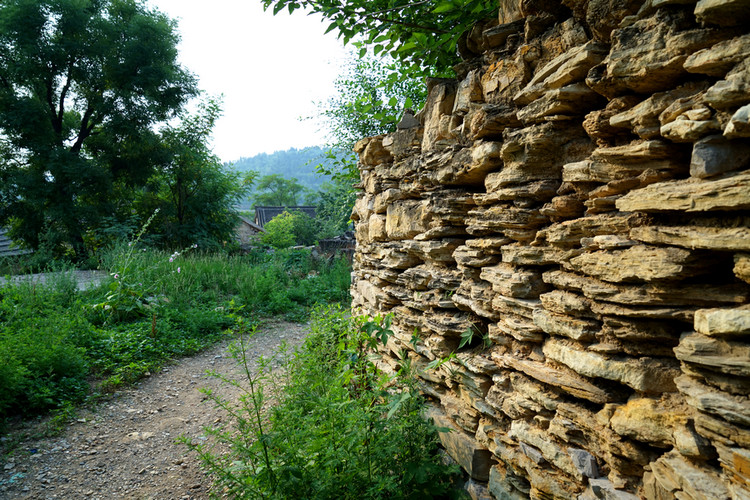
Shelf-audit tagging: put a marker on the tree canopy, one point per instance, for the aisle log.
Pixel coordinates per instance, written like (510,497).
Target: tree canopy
(193,191)
(423,34)
(82,84)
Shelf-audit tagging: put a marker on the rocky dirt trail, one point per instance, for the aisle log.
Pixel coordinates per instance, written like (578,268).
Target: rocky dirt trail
(126,447)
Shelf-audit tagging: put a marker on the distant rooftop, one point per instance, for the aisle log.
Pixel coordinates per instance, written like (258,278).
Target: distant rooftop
(8,247)
(265,214)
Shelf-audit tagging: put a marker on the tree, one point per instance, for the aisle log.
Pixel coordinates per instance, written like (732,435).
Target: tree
(289,228)
(371,95)
(276,191)
(194,192)
(423,34)
(82,84)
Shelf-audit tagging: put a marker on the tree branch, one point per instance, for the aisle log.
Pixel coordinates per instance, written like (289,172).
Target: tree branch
(84,131)
(64,92)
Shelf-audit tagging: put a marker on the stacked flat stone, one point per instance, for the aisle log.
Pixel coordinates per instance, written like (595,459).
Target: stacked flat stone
(579,200)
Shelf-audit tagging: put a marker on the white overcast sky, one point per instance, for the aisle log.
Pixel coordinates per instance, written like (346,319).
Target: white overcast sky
(270,69)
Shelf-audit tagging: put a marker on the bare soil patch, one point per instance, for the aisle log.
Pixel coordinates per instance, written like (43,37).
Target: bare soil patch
(126,446)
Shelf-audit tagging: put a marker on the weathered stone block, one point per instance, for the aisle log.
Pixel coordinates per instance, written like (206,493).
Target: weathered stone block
(716,155)
(640,263)
(690,195)
(723,322)
(739,124)
(735,409)
(723,12)
(569,67)
(650,420)
(676,477)
(473,458)
(406,219)
(725,356)
(562,378)
(513,281)
(708,238)
(648,55)
(719,59)
(644,374)
(558,324)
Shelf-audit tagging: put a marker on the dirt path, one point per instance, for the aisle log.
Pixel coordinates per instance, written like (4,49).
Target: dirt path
(126,448)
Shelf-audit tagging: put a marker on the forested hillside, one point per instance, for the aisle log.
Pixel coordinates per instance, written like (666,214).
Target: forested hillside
(292,163)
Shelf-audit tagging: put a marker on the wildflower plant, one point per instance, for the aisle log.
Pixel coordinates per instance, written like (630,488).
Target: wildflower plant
(130,296)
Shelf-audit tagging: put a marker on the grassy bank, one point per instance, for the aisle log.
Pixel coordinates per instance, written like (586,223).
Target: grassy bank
(55,340)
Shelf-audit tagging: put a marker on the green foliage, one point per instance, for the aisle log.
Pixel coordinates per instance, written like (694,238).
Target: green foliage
(371,95)
(276,191)
(421,34)
(53,338)
(193,191)
(289,229)
(82,83)
(341,429)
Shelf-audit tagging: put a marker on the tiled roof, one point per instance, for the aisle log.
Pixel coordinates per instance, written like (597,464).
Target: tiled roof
(8,248)
(265,214)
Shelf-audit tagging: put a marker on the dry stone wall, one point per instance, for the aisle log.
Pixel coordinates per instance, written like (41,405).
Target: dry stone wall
(579,199)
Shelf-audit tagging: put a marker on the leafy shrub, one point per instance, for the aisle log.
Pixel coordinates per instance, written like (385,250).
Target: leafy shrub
(340,430)
(288,229)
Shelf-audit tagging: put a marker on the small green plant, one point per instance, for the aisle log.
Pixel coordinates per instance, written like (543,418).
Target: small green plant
(341,429)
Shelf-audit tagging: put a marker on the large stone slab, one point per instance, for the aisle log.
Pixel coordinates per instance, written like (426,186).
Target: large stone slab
(723,12)
(488,121)
(439,103)
(733,90)
(639,263)
(623,162)
(650,420)
(584,330)
(572,100)
(676,477)
(648,55)
(643,118)
(725,356)
(517,327)
(720,58)
(525,255)
(723,322)
(690,195)
(538,152)
(645,375)
(406,219)
(569,67)
(709,238)
(512,281)
(562,378)
(570,233)
(731,408)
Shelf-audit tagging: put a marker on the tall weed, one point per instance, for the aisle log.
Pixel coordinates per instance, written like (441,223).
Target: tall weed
(340,429)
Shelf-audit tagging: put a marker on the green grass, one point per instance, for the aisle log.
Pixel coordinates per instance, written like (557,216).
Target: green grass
(54,340)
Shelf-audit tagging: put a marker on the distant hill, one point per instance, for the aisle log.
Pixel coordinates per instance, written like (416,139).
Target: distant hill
(292,163)
(297,163)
